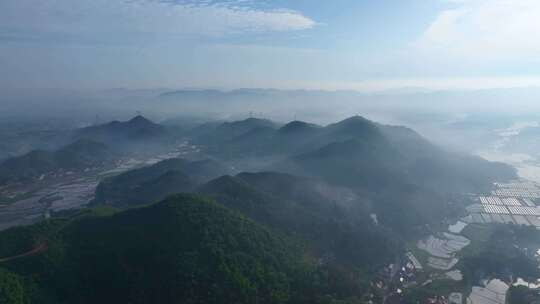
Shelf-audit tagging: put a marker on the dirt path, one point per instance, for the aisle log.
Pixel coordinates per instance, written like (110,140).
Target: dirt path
(36,250)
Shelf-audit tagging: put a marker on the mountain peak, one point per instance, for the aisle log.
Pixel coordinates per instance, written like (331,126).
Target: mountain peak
(255,120)
(355,119)
(139,119)
(251,123)
(355,125)
(297,126)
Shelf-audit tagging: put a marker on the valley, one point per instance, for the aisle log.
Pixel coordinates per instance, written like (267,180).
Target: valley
(60,191)
(269,152)
(331,188)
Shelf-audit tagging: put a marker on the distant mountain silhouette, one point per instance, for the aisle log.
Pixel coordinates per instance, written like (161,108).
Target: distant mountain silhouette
(217,95)
(376,152)
(298,127)
(76,156)
(135,130)
(212,134)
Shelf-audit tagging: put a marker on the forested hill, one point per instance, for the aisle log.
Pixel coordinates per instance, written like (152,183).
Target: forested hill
(338,205)
(155,182)
(76,156)
(185,249)
(333,220)
(410,181)
(336,225)
(353,152)
(392,167)
(138,128)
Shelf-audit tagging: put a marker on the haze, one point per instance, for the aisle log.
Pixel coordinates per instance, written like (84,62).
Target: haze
(273,152)
(345,44)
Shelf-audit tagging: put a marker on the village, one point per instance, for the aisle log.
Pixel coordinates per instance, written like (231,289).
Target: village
(433,260)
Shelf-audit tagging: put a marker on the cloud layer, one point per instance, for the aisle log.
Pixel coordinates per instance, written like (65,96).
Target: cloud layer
(485,30)
(152,17)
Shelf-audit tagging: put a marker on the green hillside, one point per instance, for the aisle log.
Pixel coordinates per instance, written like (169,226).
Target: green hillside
(155,182)
(338,232)
(76,156)
(185,249)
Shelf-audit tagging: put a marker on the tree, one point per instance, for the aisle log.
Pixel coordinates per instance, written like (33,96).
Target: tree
(11,288)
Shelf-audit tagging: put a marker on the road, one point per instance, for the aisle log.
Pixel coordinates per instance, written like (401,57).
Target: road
(42,247)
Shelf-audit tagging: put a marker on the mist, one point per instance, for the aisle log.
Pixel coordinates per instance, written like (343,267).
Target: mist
(272,152)
(435,114)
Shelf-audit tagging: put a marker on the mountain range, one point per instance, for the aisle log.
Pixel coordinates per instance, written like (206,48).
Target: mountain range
(90,147)
(77,156)
(273,213)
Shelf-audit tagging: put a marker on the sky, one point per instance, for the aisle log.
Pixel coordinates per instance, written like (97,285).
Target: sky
(288,44)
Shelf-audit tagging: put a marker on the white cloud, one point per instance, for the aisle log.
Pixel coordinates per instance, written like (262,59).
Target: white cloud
(485,29)
(211,18)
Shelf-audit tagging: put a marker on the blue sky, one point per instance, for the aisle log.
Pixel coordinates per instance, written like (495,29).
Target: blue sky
(338,44)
